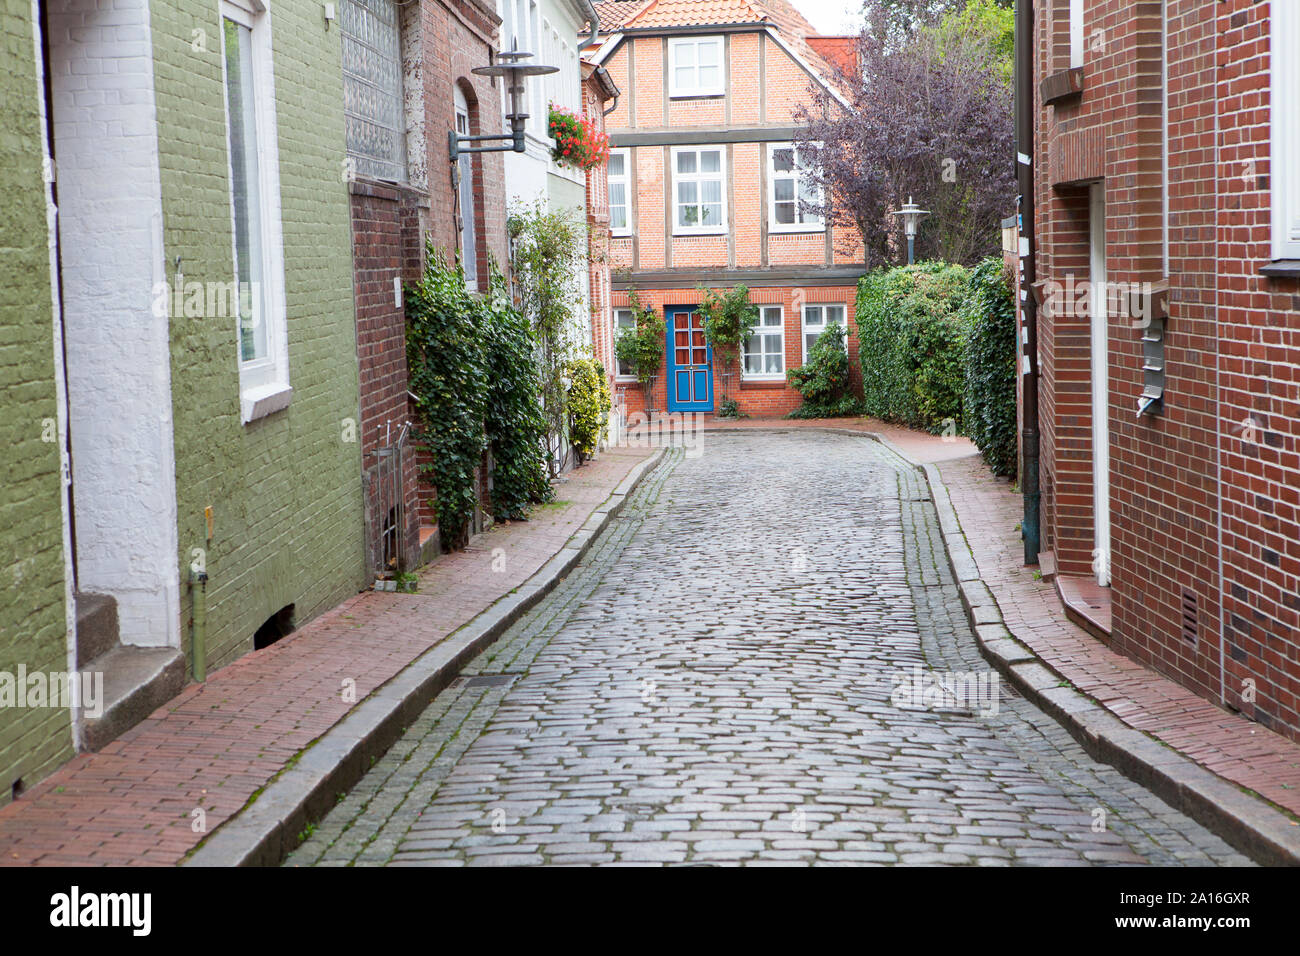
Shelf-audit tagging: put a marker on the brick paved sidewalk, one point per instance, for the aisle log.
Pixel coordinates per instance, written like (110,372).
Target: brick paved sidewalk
(1237,749)
(216,744)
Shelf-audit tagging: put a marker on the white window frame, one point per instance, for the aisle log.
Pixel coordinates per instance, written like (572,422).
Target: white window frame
(617,312)
(626,181)
(824,325)
(467,233)
(675,45)
(1076,33)
(263,383)
(760,329)
(699,177)
(819,225)
(1284,179)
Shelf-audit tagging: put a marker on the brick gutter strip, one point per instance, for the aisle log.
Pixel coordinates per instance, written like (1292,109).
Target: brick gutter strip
(266,830)
(1247,822)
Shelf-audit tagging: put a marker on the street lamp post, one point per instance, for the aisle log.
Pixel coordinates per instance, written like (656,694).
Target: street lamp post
(508,65)
(911,214)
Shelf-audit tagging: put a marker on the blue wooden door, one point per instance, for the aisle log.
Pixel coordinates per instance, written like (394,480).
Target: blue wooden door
(690,361)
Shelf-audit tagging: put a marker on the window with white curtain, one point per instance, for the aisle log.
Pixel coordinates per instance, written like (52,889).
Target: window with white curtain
(816,320)
(698,190)
(1076,33)
(695,66)
(620,206)
(763,352)
(624,321)
(790,189)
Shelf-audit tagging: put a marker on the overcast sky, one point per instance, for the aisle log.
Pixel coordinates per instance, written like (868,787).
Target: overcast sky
(832,16)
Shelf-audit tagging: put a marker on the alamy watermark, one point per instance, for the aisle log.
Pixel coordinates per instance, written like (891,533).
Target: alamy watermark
(1073,297)
(82,690)
(918,689)
(684,429)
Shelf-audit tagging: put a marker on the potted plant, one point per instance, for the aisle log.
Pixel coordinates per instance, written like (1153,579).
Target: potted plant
(577,142)
(729,320)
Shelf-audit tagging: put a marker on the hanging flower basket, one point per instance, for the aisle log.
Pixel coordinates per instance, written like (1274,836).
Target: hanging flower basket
(577,143)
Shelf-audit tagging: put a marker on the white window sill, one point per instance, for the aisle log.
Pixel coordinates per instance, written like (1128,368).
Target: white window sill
(802,229)
(694,94)
(768,377)
(255,403)
(620,234)
(626,380)
(683,234)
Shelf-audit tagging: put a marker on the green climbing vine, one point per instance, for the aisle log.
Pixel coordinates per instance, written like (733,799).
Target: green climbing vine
(513,422)
(547,255)
(472,368)
(449,375)
(729,320)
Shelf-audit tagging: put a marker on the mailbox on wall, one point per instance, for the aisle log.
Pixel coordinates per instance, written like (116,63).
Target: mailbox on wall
(1149,307)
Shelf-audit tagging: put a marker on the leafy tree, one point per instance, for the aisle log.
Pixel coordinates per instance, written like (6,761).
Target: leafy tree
(982,29)
(929,116)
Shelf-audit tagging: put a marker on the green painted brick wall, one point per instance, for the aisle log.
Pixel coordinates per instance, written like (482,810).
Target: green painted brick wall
(33,627)
(286,489)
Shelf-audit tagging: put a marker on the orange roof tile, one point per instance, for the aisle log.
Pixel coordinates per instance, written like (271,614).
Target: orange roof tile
(689,13)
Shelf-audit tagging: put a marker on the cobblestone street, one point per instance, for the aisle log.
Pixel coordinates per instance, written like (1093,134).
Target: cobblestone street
(717,683)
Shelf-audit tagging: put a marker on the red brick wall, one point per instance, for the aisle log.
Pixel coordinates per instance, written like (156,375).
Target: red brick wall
(391,223)
(1187,490)
(761,399)
(1259,379)
(385,245)
(765,86)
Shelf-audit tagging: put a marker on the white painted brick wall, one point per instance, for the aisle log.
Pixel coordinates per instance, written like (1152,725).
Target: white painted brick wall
(119,371)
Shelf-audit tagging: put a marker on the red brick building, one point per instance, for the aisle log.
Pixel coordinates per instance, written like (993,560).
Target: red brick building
(705,189)
(1166,168)
(407,83)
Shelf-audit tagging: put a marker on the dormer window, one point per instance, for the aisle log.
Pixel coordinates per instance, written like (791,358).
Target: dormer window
(695,66)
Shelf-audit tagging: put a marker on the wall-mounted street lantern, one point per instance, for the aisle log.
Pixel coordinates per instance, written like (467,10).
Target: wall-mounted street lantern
(911,214)
(508,65)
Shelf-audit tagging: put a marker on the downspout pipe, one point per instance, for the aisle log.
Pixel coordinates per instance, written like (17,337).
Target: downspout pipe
(199,624)
(1029,486)
(610,85)
(593,21)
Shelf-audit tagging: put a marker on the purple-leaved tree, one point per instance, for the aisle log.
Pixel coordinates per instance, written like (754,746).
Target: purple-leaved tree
(928,115)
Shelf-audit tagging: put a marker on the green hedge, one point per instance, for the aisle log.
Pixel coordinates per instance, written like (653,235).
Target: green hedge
(911,344)
(991,367)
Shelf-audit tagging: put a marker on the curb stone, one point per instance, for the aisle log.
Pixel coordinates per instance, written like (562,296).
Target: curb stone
(1248,823)
(1251,825)
(265,831)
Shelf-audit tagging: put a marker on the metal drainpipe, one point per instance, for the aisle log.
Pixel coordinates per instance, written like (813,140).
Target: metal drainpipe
(199,624)
(1025,178)
(592,19)
(604,75)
